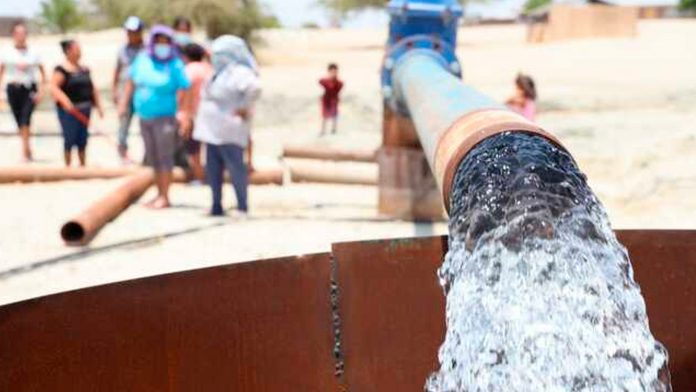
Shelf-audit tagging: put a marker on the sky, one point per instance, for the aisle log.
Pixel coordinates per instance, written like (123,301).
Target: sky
(295,13)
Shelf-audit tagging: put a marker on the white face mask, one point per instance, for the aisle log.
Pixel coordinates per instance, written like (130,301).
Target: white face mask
(162,51)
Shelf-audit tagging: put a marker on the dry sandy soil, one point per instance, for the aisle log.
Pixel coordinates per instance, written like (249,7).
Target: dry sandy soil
(624,108)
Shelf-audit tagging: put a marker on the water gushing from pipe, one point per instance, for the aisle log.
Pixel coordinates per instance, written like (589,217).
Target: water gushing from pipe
(540,294)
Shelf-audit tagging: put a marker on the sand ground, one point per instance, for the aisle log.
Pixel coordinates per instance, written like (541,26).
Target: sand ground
(623,107)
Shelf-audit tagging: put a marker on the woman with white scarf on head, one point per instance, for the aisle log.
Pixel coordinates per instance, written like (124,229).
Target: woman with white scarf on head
(224,116)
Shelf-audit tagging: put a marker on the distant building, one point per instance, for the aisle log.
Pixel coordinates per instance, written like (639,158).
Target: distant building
(562,20)
(493,12)
(6,23)
(650,9)
(12,12)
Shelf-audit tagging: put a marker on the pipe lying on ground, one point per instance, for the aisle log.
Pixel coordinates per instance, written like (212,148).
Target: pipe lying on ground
(257,177)
(28,174)
(31,173)
(329,154)
(81,229)
(332,175)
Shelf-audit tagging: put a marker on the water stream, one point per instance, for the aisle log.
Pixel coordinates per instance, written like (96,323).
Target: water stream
(540,294)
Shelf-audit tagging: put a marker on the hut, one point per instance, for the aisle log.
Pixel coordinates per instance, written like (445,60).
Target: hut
(573,19)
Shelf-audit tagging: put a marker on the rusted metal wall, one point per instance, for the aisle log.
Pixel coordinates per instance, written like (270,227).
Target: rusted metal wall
(263,326)
(267,325)
(664,264)
(394,310)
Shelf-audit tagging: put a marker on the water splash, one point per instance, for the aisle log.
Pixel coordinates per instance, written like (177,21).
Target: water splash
(540,294)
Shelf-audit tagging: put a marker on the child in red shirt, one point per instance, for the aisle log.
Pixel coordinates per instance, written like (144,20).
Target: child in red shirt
(329,101)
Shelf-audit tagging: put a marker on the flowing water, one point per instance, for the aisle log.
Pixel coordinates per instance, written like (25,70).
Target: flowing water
(540,295)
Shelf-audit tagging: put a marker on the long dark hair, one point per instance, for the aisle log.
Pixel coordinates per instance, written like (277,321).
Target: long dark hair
(526,84)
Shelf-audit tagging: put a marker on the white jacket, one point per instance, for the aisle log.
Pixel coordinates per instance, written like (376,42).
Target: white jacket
(236,87)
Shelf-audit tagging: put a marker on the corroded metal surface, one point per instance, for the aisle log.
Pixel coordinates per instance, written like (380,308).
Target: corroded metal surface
(327,153)
(82,228)
(333,174)
(407,188)
(393,308)
(256,177)
(263,326)
(464,134)
(664,263)
(393,312)
(266,326)
(25,174)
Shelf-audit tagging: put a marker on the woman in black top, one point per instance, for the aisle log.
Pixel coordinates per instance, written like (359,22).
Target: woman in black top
(75,95)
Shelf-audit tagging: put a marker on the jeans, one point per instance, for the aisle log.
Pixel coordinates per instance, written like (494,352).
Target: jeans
(75,133)
(230,157)
(123,126)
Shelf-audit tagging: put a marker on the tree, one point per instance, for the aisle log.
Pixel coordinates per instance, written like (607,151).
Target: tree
(238,17)
(687,5)
(531,5)
(342,7)
(62,15)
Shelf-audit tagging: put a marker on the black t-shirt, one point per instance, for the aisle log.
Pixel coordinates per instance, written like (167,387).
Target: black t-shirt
(77,85)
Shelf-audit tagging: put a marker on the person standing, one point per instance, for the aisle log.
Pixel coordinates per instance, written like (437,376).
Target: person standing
(224,115)
(21,64)
(75,95)
(155,79)
(329,101)
(198,70)
(183,28)
(126,55)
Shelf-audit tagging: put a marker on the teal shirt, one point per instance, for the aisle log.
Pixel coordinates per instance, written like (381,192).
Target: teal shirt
(156,86)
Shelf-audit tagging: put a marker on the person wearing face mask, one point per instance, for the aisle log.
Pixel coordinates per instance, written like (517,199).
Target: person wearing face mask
(224,115)
(182,31)
(155,79)
(75,95)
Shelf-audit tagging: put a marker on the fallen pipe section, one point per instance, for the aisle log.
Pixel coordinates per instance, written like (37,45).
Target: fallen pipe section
(27,174)
(81,229)
(328,153)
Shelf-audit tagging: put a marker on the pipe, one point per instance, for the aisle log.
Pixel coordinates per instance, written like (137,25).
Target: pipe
(81,229)
(330,154)
(333,175)
(257,177)
(26,174)
(450,117)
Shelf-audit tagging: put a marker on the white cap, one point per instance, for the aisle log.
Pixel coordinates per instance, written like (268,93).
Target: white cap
(133,23)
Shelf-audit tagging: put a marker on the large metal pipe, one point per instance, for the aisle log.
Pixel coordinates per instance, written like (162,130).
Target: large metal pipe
(257,177)
(329,154)
(26,174)
(450,117)
(81,229)
(334,174)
